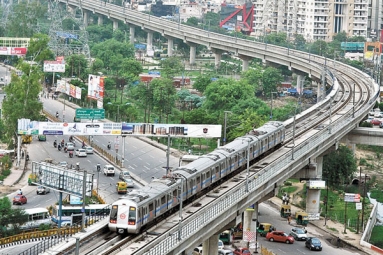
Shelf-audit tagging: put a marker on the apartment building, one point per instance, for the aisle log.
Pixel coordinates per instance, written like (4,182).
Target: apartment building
(313,19)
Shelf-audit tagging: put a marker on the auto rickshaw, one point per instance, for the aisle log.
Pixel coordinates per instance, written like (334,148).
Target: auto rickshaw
(33,178)
(285,211)
(226,237)
(237,232)
(302,218)
(122,187)
(264,228)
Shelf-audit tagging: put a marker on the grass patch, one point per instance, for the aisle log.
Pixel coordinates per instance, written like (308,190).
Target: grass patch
(377,194)
(293,180)
(376,236)
(333,229)
(288,189)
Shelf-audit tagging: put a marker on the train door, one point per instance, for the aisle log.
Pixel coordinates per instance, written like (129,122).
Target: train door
(193,186)
(203,180)
(223,168)
(163,204)
(175,198)
(198,183)
(151,213)
(145,215)
(208,178)
(139,218)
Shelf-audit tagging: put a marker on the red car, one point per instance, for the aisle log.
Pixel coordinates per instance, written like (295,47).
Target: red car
(241,251)
(19,199)
(376,122)
(279,236)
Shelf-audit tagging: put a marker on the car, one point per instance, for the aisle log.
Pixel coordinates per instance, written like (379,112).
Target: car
(109,170)
(313,243)
(225,252)
(381,125)
(129,182)
(279,236)
(197,251)
(89,150)
(42,190)
(19,199)
(376,121)
(81,153)
(241,251)
(63,164)
(299,234)
(123,175)
(42,137)
(69,146)
(220,244)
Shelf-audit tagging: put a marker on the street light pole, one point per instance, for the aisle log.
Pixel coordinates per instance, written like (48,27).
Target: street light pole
(225,125)
(98,175)
(353,103)
(271,108)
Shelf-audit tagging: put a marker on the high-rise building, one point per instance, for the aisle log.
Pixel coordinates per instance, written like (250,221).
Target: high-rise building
(313,19)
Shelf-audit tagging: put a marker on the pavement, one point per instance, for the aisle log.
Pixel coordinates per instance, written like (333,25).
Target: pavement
(19,179)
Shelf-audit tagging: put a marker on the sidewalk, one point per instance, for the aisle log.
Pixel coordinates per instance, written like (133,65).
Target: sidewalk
(335,229)
(16,180)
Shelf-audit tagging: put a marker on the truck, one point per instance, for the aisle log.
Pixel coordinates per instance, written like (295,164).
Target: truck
(26,139)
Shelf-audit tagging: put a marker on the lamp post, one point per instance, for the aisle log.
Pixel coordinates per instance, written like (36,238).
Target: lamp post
(271,108)
(225,124)
(353,103)
(98,175)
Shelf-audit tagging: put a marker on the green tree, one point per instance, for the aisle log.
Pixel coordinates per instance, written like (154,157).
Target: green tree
(9,217)
(271,78)
(192,21)
(171,67)
(202,82)
(254,77)
(22,99)
(76,65)
(339,166)
(38,49)
(164,97)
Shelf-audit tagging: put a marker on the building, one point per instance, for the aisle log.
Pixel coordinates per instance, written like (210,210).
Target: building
(313,19)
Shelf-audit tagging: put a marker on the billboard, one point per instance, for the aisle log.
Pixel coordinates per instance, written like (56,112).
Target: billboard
(351,197)
(54,66)
(13,51)
(95,87)
(316,184)
(104,128)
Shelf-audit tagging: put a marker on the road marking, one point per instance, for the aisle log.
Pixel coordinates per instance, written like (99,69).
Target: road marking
(134,165)
(151,156)
(129,166)
(282,250)
(139,158)
(301,251)
(148,163)
(147,167)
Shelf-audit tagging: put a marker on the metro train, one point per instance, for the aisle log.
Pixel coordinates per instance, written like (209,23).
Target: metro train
(161,196)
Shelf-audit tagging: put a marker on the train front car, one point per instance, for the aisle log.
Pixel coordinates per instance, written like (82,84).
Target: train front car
(123,217)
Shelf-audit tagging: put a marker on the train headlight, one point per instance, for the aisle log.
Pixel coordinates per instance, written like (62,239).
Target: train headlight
(120,231)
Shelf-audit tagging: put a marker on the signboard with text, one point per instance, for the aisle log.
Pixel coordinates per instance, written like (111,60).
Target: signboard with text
(13,51)
(54,66)
(352,198)
(90,114)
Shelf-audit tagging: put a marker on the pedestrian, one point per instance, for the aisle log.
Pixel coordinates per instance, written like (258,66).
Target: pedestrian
(338,242)
(289,219)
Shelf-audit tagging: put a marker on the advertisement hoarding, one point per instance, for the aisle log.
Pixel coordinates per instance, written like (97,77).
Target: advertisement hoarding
(13,51)
(54,66)
(95,87)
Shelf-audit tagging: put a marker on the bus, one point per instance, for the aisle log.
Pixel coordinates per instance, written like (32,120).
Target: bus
(73,213)
(36,217)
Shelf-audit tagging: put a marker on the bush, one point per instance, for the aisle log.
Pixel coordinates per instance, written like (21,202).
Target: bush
(287,183)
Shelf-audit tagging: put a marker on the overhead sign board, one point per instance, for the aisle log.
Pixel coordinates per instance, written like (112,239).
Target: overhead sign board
(68,181)
(54,66)
(91,114)
(351,197)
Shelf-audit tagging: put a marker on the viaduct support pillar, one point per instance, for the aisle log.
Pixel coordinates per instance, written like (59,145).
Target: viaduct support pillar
(300,82)
(170,46)
(149,41)
(86,18)
(100,20)
(217,57)
(131,34)
(245,62)
(313,195)
(210,246)
(192,56)
(115,25)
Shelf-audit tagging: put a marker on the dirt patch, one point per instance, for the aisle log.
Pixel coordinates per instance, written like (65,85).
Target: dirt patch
(296,196)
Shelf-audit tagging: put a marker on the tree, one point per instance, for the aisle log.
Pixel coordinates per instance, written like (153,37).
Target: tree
(22,99)
(192,21)
(76,65)
(38,49)
(9,217)
(164,96)
(171,67)
(339,166)
(253,77)
(271,78)
(202,82)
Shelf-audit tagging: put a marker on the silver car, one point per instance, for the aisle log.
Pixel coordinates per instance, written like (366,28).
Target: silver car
(129,182)
(89,150)
(69,146)
(42,190)
(299,234)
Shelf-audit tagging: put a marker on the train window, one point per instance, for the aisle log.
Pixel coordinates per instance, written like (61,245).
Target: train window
(150,207)
(163,200)
(217,169)
(169,196)
(208,175)
(198,179)
(113,212)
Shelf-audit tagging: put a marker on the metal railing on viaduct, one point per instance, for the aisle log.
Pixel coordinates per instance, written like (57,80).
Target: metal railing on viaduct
(216,214)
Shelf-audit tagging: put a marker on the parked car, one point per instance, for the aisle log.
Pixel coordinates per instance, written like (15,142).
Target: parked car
(279,236)
(376,122)
(313,243)
(63,164)
(123,175)
(299,234)
(89,150)
(19,199)
(109,170)
(381,125)
(81,153)
(69,146)
(241,251)
(220,244)
(197,251)
(129,182)
(42,190)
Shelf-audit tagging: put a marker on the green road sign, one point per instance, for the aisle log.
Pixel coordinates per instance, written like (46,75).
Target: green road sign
(91,114)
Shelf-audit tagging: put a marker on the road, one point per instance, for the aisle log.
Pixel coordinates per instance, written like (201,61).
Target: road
(270,214)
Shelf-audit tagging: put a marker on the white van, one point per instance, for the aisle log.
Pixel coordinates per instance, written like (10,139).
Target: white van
(109,170)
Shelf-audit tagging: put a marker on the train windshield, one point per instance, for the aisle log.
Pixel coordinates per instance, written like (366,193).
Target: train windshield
(132,215)
(113,214)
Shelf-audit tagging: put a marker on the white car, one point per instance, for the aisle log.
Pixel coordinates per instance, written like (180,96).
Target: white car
(69,146)
(63,164)
(89,150)
(81,153)
(129,182)
(109,170)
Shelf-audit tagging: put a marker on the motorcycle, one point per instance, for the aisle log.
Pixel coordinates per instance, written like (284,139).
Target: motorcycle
(59,147)
(71,154)
(65,149)
(54,144)
(109,146)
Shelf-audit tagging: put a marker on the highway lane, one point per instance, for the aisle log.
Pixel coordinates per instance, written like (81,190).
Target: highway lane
(271,215)
(142,159)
